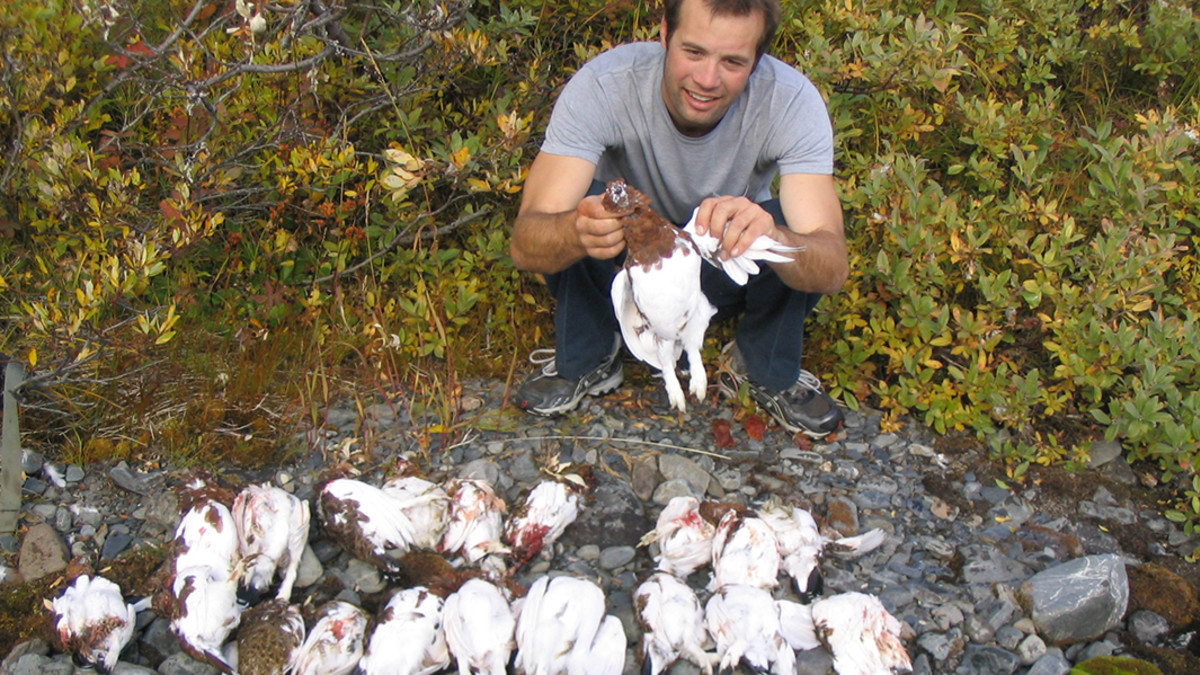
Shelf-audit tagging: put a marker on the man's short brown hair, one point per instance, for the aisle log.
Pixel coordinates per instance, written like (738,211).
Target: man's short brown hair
(769,9)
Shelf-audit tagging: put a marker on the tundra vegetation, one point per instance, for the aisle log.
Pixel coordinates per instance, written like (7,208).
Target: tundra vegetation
(218,216)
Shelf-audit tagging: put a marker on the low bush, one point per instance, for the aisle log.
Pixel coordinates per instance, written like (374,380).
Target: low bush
(334,183)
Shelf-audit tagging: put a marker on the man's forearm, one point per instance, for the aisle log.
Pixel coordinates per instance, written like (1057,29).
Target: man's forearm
(821,267)
(545,243)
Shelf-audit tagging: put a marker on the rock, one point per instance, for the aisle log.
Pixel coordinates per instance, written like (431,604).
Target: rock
(181,664)
(616,556)
(1053,663)
(158,643)
(127,479)
(481,469)
(614,517)
(310,570)
(36,664)
(1103,452)
(644,476)
(125,668)
(43,552)
(987,660)
(1148,627)
(1031,650)
(670,489)
(842,515)
(674,467)
(35,646)
(114,544)
(1078,600)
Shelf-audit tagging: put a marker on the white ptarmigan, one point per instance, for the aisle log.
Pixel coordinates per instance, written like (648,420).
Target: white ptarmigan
(272,528)
(860,633)
(802,546)
(745,551)
(335,642)
(744,622)
(480,628)
(93,622)
(200,596)
(672,621)
(408,637)
(660,307)
(475,526)
(562,629)
(547,510)
(683,535)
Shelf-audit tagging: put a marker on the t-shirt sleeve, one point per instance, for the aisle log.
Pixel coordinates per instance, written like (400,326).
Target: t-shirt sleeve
(580,121)
(804,136)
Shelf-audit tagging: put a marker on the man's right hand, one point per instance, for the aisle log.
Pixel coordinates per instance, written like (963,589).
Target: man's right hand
(599,229)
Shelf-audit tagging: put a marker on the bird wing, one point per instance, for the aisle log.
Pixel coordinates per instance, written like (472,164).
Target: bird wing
(334,645)
(635,327)
(739,268)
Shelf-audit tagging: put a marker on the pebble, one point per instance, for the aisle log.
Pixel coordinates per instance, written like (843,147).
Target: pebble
(971,572)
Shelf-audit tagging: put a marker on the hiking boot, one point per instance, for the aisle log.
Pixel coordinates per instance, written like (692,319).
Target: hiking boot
(804,407)
(548,394)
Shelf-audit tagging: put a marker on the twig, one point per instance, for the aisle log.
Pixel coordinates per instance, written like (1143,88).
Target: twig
(638,441)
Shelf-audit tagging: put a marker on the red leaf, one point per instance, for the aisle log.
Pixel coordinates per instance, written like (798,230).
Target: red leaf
(756,427)
(722,434)
(803,442)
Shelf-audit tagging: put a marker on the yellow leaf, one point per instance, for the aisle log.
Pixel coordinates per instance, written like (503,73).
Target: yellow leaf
(32,358)
(477,184)
(460,157)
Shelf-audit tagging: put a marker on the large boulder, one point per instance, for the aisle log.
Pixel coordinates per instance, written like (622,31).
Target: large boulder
(1078,600)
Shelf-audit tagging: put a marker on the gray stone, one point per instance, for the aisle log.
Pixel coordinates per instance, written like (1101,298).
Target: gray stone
(1103,452)
(644,476)
(813,662)
(74,473)
(1148,627)
(1078,600)
(939,645)
(988,660)
(991,566)
(364,577)
(521,466)
(34,646)
(114,545)
(43,552)
(1052,663)
(1031,650)
(310,569)
(616,556)
(36,664)
(675,466)
(126,668)
(614,517)
(670,489)
(481,469)
(158,643)
(182,664)
(1116,514)
(128,479)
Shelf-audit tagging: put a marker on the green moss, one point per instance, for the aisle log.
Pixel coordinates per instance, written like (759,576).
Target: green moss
(1115,665)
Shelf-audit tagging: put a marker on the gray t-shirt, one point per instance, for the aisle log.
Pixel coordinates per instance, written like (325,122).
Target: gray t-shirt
(612,113)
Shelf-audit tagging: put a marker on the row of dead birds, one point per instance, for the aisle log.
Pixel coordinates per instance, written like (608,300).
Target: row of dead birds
(452,553)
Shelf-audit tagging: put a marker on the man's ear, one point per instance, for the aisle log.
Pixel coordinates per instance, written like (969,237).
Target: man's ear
(662,31)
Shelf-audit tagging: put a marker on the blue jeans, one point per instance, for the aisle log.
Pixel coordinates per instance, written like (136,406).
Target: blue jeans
(770,334)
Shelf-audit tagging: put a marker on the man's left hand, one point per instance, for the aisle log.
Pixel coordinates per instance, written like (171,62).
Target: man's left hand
(735,221)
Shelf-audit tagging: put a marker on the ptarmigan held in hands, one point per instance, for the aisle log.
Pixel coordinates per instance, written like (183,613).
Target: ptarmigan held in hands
(659,304)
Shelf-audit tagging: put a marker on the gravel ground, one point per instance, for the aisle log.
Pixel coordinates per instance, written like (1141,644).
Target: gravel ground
(960,543)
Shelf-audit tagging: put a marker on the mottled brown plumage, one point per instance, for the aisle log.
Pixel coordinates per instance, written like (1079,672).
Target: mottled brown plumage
(269,638)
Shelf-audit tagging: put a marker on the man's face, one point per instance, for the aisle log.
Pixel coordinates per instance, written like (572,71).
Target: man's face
(709,61)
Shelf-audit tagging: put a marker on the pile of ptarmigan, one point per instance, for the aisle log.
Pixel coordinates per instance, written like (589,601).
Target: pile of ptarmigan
(231,550)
